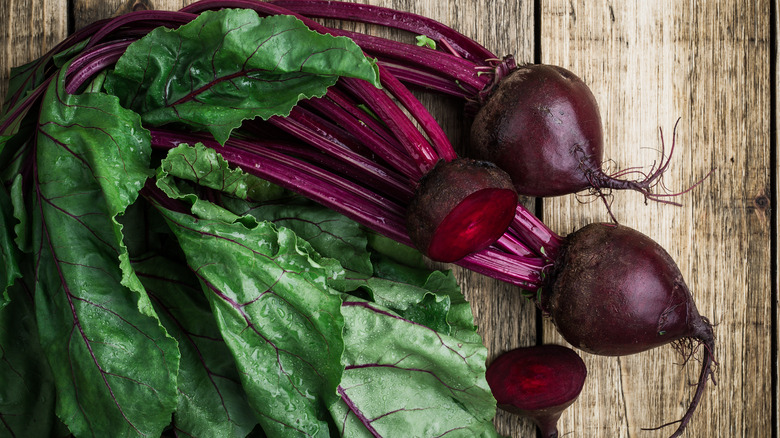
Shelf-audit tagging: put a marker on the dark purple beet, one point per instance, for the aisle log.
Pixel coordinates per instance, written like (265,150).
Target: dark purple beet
(542,125)
(537,382)
(459,207)
(614,291)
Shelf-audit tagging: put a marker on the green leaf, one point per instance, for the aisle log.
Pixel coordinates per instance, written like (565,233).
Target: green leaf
(25,78)
(9,254)
(204,167)
(20,212)
(405,295)
(396,251)
(402,376)
(27,392)
(269,293)
(212,402)
(18,128)
(231,65)
(415,292)
(331,234)
(425,41)
(114,365)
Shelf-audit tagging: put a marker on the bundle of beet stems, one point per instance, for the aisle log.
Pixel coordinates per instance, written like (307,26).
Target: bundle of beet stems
(558,273)
(358,150)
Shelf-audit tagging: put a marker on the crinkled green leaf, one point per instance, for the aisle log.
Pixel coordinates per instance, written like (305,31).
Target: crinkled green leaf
(186,165)
(114,365)
(212,402)
(205,167)
(269,293)
(416,292)
(231,65)
(330,233)
(187,169)
(402,376)
(412,301)
(442,284)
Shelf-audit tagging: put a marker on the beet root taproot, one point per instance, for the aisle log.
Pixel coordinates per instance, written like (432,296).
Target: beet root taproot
(542,125)
(614,291)
(459,207)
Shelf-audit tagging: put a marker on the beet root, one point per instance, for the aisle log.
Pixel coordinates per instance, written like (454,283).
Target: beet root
(542,125)
(614,291)
(537,382)
(459,207)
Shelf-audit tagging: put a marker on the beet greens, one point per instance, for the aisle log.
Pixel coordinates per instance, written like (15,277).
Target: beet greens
(111,233)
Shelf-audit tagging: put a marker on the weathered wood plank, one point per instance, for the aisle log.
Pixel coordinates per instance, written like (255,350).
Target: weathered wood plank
(87,11)
(775,17)
(707,63)
(29,30)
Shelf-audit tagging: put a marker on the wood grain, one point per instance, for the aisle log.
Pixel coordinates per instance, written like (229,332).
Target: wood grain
(775,146)
(648,63)
(30,28)
(706,63)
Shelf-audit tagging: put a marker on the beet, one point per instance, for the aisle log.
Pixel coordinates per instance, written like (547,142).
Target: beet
(614,291)
(542,125)
(460,206)
(537,382)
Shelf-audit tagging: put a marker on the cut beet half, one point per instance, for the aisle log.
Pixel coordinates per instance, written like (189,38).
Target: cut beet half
(537,382)
(460,207)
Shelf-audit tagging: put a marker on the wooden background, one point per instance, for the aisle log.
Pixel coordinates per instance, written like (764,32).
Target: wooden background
(712,64)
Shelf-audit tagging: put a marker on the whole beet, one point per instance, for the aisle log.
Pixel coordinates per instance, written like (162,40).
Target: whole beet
(614,291)
(542,125)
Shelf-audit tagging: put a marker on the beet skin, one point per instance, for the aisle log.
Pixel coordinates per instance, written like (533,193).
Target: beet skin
(614,291)
(542,125)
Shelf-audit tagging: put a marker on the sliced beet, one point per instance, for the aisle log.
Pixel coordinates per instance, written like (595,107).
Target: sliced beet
(537,382)
(459,207)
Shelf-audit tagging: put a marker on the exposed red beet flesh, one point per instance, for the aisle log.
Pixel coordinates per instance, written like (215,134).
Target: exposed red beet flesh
(615,291)
(459,207)
(537,382)
(542,125)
